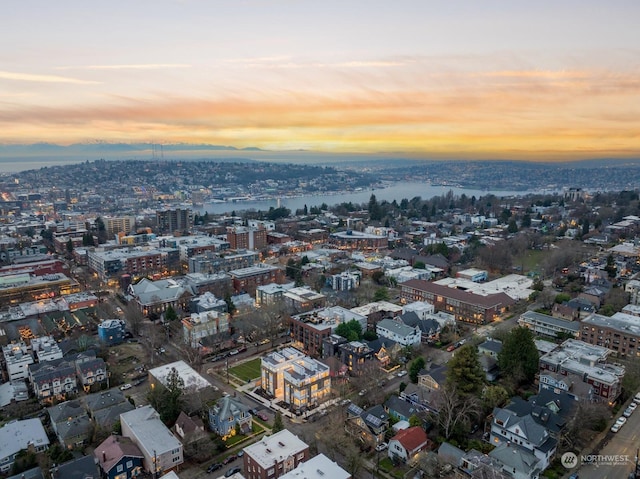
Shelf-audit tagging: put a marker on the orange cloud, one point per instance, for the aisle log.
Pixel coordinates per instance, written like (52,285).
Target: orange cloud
(499,114)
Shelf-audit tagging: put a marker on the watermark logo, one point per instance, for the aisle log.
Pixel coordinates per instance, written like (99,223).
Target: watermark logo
(569,460)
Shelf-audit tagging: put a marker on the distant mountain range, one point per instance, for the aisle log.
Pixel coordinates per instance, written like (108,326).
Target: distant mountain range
(95,150)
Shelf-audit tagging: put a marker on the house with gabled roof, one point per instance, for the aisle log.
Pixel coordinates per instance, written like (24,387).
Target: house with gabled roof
(399,332)
(162,451)
(407,443)
(517,461)
(105,407)
(526,432)
(53,379)
(119,458)
(188,428)
(368,425)
(16,436)
(91,371)
(400,409)
(83,467)
(71,424)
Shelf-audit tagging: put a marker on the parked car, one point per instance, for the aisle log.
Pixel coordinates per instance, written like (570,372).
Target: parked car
(633,406)
(402,373)
(382,446)
(124,387)
(240,453)
(636,399)
(627,412)
(232,471)
(214,467)
(229,459)
(618,424)
(262,416)
(452,347)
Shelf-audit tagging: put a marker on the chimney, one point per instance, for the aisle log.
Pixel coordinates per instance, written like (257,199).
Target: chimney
(104,457)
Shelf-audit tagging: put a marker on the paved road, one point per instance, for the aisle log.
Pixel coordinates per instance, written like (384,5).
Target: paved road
(623,443)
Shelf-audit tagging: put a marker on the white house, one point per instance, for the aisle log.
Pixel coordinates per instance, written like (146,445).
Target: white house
(17,436)
(407,443)
(398,332)
(161,449)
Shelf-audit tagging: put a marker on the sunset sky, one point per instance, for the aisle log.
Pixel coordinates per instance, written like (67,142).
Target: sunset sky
(513,79)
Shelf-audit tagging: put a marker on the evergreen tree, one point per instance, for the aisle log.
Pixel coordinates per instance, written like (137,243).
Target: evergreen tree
(278,425)
(414,369)
(465,372)
(518,359)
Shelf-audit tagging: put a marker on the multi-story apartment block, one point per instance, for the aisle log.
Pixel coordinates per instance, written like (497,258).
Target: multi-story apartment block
(620,333)
(588,362)
(45,348)
(465,306)
(200,245)
(118,224)
(246,280)
(314,236)
(161,450)
(211,263)
(139,261)
(17,358)
(218,284)
(204,325)
(53,380)
(274,455)
(207,302)
(298,380)
(242,237)
(344,281)
(548,325)
(357,241)
(303,299)
(24,287)
(91,372)
(176,219)
(308,330)
(272,293)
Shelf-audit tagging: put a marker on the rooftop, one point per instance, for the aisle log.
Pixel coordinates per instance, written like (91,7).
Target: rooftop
(190,377)
(318,467)
(623,322)
(275,448)
(149,430)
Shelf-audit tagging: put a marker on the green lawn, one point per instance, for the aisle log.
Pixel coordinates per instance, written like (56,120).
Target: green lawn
(247,371)
(530,261)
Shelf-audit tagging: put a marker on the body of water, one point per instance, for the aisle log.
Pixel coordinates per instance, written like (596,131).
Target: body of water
(396,192)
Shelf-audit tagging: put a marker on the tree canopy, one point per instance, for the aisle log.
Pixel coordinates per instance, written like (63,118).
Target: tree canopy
(519,356)
(465,372)
(351,330)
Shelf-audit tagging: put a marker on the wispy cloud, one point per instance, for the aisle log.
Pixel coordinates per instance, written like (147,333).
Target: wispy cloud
(30,77)
(140,66)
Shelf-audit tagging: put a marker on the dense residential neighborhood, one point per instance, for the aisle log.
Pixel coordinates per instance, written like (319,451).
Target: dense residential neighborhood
(437,337)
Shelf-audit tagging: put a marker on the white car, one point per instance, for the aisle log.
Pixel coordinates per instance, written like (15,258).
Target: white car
(124,387)
(628,412)
(402,374)
(618,424)
(636,399)
(632,406)
(382,447)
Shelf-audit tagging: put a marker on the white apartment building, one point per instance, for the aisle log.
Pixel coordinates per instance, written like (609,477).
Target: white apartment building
(292,377)
(45,348)
(17,357)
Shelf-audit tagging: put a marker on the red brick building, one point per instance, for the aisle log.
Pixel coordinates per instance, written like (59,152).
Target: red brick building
(274,456)
(465,306)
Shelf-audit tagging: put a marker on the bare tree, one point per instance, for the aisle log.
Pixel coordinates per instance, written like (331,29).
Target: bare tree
(453,409)
(591,416)
(133,317)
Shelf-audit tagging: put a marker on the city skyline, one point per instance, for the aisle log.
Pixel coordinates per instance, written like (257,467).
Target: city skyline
(537,81)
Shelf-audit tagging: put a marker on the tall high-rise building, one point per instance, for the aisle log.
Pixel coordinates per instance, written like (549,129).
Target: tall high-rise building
(176,219)
(118,224)
(242,237)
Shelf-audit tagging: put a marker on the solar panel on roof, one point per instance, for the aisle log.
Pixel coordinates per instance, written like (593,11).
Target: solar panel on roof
(373,420)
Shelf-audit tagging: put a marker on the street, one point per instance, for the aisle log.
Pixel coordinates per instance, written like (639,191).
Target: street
(621,450)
